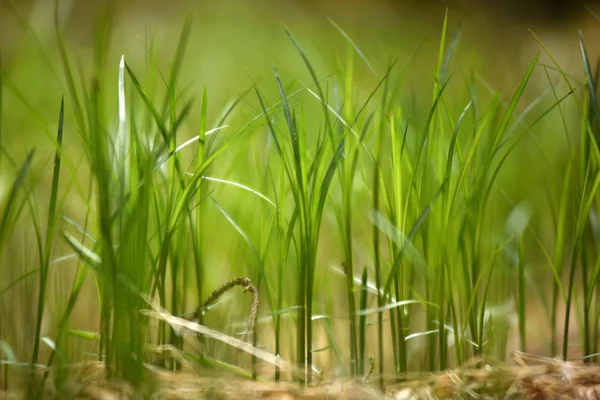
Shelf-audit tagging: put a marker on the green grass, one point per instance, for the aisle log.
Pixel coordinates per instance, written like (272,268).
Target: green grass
(382,225)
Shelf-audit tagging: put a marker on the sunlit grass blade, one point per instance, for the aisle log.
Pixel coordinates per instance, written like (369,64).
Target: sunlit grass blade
(89,256)
(513,103)
(177,62)
(308,64)
(157,312)
(354,46)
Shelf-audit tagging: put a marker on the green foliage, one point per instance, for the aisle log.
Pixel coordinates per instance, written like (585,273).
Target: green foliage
(293,177)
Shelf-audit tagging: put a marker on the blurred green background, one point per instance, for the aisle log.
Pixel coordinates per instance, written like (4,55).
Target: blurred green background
(232,45)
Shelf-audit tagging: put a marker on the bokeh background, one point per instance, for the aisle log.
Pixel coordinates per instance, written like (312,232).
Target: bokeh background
(234,43)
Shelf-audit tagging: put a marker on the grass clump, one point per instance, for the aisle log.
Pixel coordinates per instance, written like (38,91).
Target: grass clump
(413,201)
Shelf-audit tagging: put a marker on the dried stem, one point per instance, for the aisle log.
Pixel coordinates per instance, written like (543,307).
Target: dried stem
(247,284)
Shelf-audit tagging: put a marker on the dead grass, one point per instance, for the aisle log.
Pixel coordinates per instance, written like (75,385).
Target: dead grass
(529,378)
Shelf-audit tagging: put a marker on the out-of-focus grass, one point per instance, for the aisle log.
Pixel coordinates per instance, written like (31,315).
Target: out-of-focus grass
(386,200)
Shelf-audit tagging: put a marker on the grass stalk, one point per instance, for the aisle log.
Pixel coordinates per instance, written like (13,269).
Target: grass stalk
(50,230)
